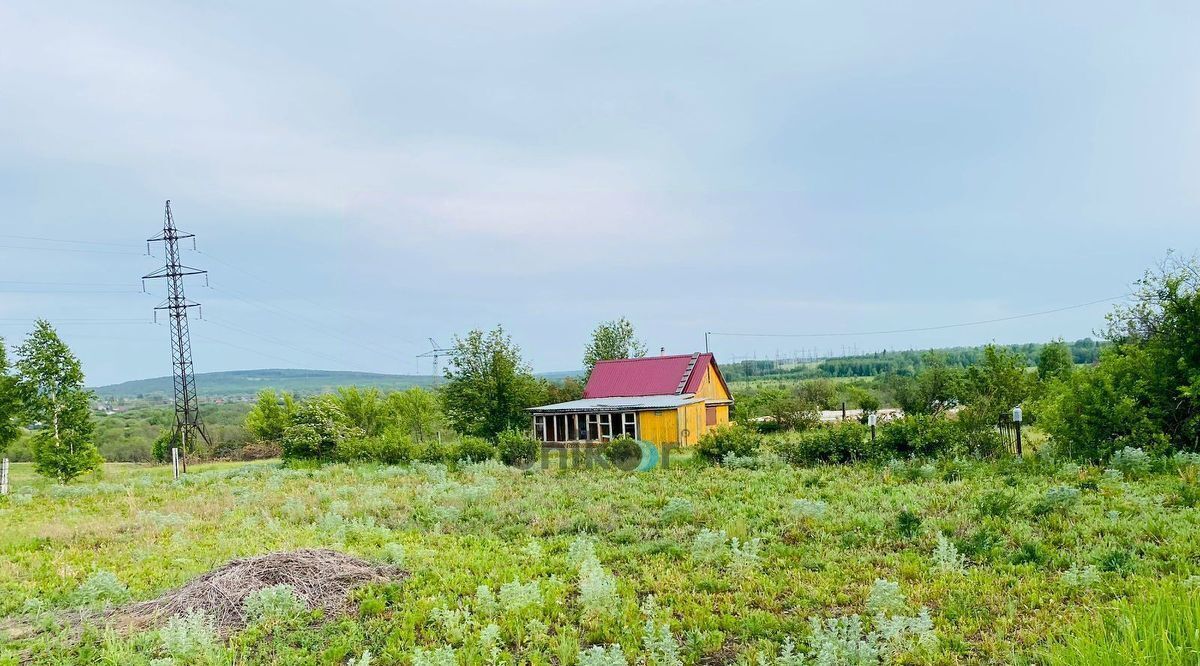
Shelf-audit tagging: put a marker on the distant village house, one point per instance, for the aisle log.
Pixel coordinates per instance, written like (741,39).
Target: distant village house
(662,399)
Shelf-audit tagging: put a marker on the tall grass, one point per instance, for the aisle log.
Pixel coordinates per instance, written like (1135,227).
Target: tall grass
(1161,628)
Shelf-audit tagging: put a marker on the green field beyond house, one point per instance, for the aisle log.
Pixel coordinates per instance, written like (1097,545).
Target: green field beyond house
(1000,559)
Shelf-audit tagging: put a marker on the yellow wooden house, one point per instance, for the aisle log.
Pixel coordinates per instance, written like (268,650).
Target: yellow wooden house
(661,399)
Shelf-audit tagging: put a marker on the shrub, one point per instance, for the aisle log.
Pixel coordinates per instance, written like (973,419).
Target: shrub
(1081,577)
(1132,462)
(709,545)
(677,510)
(274,603)
(602,655)
(516,597)
(318,427)
(996,504)
(1058,499)
(935,435)
(946,557)
(744,556)
(622,451)
(189,638)
(474,449)
(517,448)
(102,588)
(432,452)
(886,597)
(839,443)
(809,509)
(732,438)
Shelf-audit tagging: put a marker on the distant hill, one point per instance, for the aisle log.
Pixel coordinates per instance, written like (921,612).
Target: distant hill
(240,383)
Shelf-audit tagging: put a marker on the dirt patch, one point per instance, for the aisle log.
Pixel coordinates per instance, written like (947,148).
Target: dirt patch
(321,578)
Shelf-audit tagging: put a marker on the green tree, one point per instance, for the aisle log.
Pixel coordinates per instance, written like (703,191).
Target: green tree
(935,387)
(566,390)
(1154,355)
(489,386)
(1055,361)
(270,416)
(995,384)
(318,427)
(10,403)
(364,409)
(51,388)
(612,340)
(415,412)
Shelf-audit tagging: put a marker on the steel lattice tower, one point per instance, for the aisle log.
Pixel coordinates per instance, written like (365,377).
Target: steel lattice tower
(187,409)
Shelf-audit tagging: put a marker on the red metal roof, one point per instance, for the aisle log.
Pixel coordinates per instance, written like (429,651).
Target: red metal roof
(655,375)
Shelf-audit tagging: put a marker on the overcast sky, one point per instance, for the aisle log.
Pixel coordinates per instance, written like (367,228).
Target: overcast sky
(362,177)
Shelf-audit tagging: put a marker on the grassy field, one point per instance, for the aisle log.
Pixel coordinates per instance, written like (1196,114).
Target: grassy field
(1003,564)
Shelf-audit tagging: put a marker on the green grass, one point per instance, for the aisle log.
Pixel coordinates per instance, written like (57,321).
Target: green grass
(487,525)
(1162,628)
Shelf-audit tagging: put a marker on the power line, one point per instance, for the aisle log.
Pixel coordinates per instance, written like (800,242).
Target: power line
(925,328)
(71,284)
(70,249)
(72,241)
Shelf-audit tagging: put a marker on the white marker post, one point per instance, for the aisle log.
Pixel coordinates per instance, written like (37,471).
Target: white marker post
(1016,417)
(871,420)
(175,461)
(4,477)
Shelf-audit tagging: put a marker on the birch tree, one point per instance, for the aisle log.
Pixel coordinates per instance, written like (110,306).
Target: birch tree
(51,387)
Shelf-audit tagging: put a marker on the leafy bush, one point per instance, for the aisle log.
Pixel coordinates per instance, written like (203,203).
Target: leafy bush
(517,448)
(474,449)
(391,448)
(432,452)
(839,443)
(318,427)
(936,435)
(731,438)
(622,451)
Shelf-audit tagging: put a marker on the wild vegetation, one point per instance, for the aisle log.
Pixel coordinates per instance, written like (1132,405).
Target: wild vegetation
(778,540)
(928,561)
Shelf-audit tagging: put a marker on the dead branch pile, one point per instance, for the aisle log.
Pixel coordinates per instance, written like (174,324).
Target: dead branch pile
(321,578)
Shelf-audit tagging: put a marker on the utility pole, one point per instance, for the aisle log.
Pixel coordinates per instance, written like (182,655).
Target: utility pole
(187,409)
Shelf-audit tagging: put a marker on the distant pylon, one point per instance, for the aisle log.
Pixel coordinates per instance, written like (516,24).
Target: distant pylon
(187,409)
(435,352)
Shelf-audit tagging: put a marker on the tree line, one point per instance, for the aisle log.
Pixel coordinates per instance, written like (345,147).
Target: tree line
(482,406)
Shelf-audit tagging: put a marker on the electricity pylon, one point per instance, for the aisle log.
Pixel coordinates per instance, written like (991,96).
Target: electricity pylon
(187,409)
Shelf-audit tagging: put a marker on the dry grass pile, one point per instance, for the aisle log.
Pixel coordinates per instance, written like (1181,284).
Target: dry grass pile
(321,578)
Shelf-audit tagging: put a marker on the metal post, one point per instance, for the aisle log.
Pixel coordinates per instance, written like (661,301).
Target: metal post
(843,410)
(1016,416)
(4,477)
(871,422)
(183,450)
(706,342)
(175,461)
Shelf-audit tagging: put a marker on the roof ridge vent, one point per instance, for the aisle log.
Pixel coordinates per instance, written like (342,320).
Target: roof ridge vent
(687,374)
